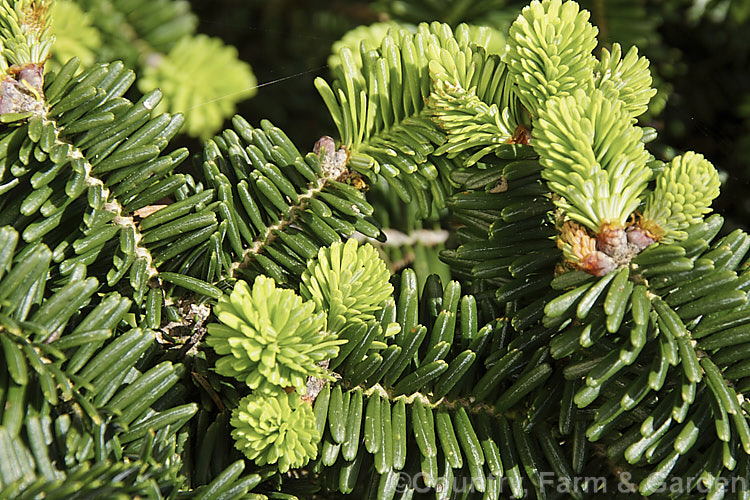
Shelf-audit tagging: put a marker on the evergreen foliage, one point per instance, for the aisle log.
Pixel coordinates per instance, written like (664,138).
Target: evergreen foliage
(268,337)
(158,40)
(275,427)
(595,325)
(348,283)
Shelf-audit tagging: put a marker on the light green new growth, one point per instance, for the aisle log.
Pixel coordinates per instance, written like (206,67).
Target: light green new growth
(628,78)
(75,35)
(451,55)
(24,33)
(348,281)
(275,428)
(359,98)
(683,194)
(367,38)
(360,38)
(441,380)
(191,85)
(269,335)
(549,51)
(593,157)
(491,39)
(469,122)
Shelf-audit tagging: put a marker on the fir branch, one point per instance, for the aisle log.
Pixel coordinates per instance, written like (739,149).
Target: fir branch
(286,220)
(635,361)
(120,218)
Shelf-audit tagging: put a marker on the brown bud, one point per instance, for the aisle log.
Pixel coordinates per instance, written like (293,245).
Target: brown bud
(612,240)
(33,75)
(598,264)
(639,237)
(324,145)
(332,161)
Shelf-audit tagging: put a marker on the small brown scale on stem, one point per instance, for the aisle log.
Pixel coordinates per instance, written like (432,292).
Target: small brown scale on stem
(521,135)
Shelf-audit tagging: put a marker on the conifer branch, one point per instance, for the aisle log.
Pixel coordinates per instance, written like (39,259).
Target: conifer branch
(595,323)
(120,218)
